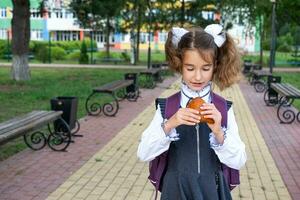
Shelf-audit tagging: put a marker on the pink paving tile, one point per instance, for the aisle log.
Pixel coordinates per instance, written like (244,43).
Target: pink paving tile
(283,140)
(18,173)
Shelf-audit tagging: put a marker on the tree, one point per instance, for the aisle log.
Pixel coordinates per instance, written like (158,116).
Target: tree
(98,14)
(84,58)
(20,40)
(254,11)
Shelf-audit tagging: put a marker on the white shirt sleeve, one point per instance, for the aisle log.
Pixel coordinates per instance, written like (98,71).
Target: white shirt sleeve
(154,140)
(232,152)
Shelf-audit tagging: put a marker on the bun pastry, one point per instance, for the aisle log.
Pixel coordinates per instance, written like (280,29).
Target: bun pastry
(196,103)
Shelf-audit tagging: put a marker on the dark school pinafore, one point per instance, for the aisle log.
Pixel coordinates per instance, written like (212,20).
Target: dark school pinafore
(193,171)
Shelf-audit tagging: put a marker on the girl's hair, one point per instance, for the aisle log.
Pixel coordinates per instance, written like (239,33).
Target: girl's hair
(226,59)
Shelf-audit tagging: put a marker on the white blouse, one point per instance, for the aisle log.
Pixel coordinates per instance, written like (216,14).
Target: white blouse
(154,140)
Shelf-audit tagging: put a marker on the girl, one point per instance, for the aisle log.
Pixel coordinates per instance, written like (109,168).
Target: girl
(201,57)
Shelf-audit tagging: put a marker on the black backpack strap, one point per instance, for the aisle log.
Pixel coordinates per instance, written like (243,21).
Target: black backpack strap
(168,106)
(223,106)
(162,104)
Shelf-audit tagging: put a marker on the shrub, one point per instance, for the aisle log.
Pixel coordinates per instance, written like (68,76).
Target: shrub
(58,53)
(36,46)
(3,48)
(125,56)
(284,48)
(73,56)
(266,44)
(84,58)
(42,54)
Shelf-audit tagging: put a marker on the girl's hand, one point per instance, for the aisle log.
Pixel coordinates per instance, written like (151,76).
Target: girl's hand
(185,116)
(210,111)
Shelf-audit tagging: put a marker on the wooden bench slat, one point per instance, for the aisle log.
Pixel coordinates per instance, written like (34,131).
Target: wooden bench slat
(10,124)
(261,73)
(113,86)
(289,90)
(23,120)
(286,90)
(294,91)
(29,126)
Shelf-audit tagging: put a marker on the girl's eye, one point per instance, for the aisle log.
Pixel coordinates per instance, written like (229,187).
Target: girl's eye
(206,69)
(190,69)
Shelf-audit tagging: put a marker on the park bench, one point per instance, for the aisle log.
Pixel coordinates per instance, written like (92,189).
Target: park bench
(118,90)
(249,67)
(30,127)
(270,95)
(108,60)
(257,79)
(288,93)
(152,76)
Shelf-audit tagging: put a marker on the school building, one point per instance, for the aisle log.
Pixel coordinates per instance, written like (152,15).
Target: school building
(59,23)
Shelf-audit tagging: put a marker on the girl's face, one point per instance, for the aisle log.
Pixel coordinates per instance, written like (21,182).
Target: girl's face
(196,72)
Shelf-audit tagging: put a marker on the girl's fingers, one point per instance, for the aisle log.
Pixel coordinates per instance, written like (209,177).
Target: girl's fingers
(206,112)
(192,119)
(209,116)
(193,111)
(207,106)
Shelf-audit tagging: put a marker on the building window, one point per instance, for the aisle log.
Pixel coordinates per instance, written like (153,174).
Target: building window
(3,12)
(36,34)
(162,37)
(3,34)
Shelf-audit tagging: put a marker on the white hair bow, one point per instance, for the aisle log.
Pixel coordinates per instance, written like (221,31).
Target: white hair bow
(216,30)
(177,34)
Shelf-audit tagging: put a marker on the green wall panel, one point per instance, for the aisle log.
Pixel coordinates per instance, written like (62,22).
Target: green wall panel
(5,23)
(36,24)
(8,3)
(5,3)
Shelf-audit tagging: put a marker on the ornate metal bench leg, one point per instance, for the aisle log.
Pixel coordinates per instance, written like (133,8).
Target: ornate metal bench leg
(120,94)
(76,129)
(259,86)
(133,96)
(36,140)
(270,98)
(109,109)
(59,139)
(284,113)
(94,109)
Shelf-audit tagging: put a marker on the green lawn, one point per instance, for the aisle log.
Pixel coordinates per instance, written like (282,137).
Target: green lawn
(282,59)
(21,97)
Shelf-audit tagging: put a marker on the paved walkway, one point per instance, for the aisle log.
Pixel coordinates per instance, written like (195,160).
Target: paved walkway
(115,173)
(283,140)
(103,164)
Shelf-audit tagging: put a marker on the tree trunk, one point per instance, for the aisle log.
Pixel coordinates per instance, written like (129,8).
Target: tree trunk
(107,36)
(138,33)
(20,40)
(260,43)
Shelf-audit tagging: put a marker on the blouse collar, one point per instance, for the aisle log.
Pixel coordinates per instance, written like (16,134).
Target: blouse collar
(187,93)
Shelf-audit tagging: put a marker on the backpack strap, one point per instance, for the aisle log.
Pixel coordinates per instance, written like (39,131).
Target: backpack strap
(222,105)
(172,105)
(168,106)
